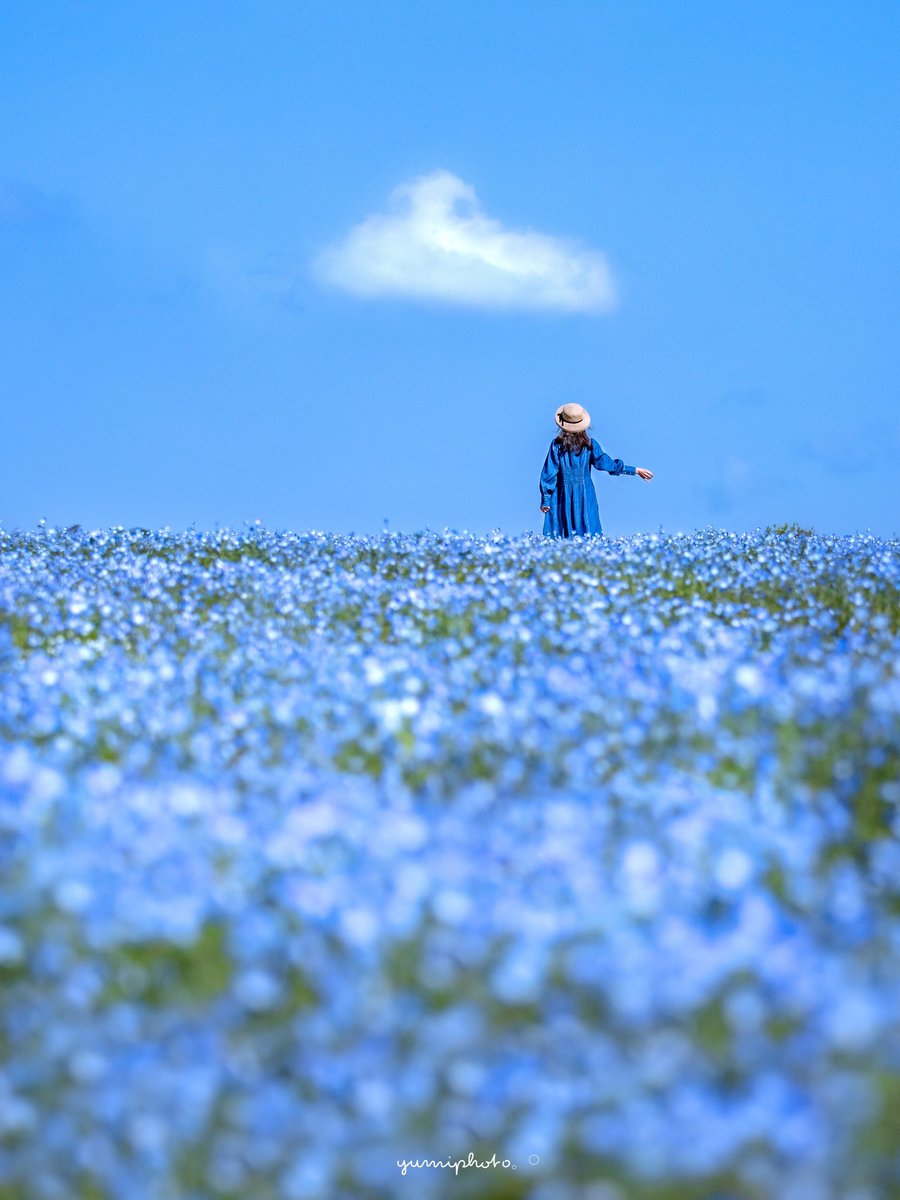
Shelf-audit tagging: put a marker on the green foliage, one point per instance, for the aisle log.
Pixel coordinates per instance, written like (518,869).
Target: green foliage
(790,529)
(158,972)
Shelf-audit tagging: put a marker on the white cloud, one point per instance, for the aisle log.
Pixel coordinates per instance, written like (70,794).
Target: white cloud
(437,242)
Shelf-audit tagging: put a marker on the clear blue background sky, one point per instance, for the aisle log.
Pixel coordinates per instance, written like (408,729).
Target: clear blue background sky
(168,171)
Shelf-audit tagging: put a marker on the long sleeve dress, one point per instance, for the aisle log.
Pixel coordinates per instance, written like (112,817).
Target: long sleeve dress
(568,490)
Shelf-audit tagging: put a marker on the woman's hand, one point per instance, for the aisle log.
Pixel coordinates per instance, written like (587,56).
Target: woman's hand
(643,472)
(545,508)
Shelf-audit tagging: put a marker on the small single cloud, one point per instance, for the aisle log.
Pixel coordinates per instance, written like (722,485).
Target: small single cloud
(436,242)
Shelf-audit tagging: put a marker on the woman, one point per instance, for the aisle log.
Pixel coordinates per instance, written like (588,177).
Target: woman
(567,491)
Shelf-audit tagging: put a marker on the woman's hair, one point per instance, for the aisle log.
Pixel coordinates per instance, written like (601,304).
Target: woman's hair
(575,442)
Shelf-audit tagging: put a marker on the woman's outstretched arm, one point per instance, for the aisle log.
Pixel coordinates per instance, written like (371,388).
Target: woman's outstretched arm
(601,461)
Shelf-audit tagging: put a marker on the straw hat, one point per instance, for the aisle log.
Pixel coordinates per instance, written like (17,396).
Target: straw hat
(572,417)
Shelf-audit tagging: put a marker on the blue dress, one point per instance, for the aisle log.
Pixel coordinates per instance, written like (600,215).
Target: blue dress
(568,490)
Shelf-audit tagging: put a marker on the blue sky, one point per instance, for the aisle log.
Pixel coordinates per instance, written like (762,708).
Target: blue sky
(217,306)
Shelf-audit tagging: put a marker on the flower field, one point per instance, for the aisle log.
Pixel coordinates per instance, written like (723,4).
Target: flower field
(322,852)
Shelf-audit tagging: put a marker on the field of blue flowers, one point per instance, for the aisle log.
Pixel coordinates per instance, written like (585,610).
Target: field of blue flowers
(319,853)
